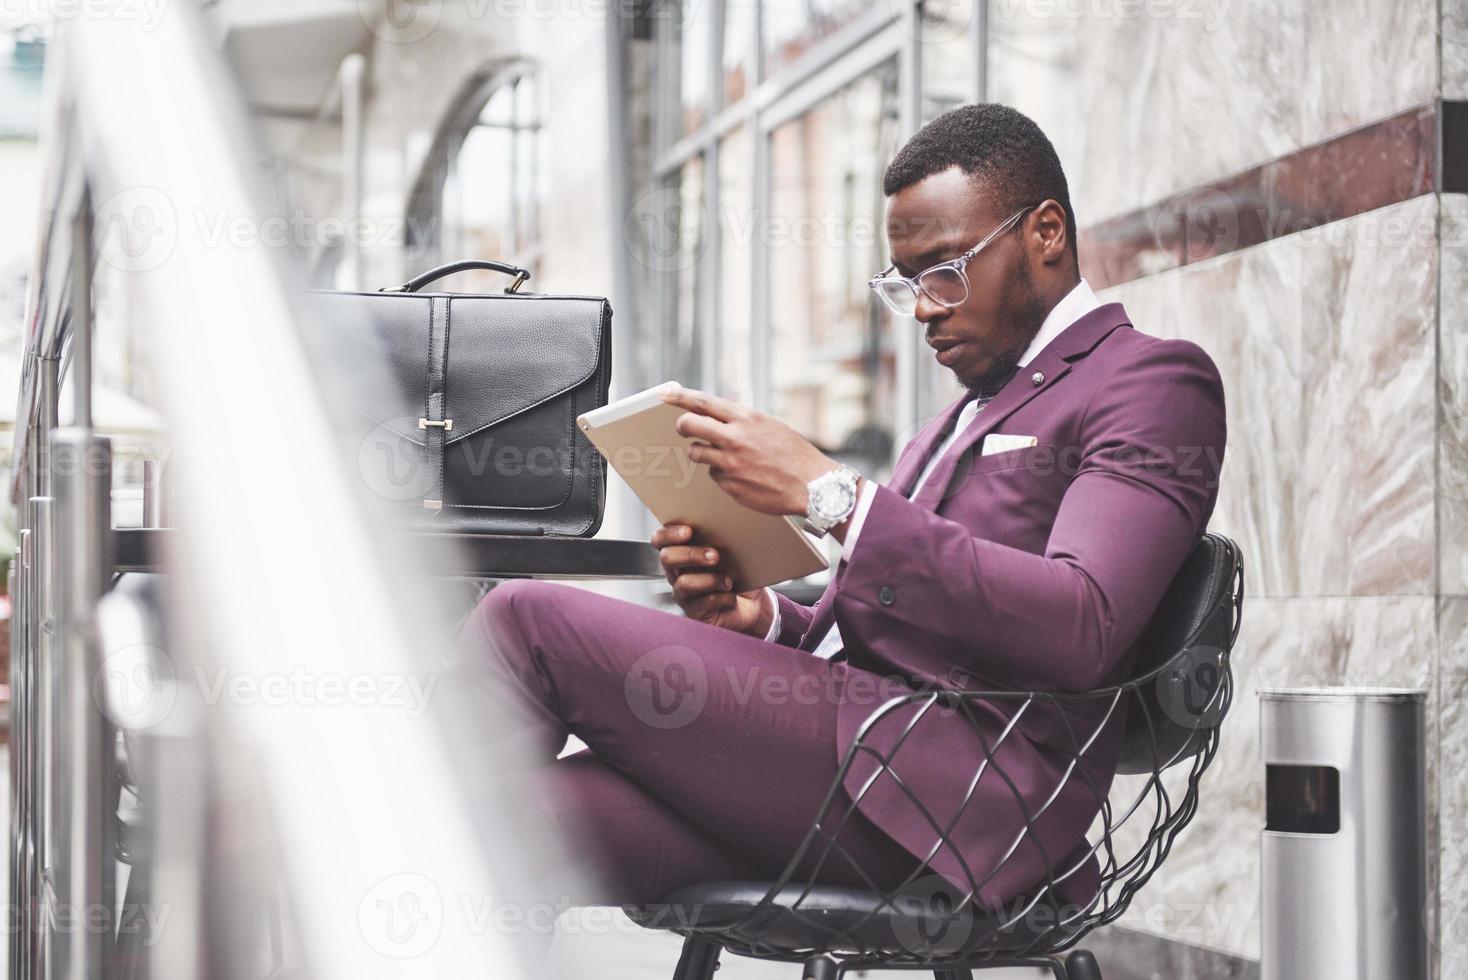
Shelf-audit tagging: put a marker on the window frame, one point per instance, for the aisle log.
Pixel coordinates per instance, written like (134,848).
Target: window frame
(886,32)
(426,199)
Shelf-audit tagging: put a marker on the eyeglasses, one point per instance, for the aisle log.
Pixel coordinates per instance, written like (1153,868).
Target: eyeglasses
(945,283)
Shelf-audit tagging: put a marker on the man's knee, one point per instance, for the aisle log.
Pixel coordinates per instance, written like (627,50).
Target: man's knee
(513,608)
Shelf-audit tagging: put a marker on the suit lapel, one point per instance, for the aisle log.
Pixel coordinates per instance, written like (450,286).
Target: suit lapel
(1048,367)
(918,451)
(1073,343)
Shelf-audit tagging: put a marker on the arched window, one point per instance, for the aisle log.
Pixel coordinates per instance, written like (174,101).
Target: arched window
(479,193)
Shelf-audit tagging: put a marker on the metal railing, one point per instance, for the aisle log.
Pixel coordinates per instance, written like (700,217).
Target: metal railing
(276,570)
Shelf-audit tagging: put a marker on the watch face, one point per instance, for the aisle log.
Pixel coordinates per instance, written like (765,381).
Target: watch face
(833,500)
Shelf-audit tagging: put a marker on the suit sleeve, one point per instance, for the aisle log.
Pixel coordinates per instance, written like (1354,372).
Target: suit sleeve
(794,620)
(1151,446)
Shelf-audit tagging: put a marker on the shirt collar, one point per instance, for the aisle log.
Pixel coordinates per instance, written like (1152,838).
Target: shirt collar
(1074,305)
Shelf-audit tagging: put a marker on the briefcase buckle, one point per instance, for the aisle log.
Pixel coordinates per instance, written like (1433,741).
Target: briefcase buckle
(446,425)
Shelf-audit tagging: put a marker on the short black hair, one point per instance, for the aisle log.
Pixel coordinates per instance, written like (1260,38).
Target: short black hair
(998,145)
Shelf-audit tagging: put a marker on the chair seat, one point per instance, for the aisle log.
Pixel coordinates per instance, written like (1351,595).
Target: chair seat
(916,927)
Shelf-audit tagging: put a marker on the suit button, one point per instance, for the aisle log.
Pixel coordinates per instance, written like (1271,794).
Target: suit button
(886,595)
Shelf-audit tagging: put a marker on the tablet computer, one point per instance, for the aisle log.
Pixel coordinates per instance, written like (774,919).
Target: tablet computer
(637,437)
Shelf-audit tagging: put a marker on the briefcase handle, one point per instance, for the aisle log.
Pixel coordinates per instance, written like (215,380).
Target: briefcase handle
(464,265)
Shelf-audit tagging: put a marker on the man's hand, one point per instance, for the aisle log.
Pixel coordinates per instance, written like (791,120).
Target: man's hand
(757,459)
(703,590)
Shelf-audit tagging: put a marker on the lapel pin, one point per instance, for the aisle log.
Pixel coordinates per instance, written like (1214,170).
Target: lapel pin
(1037,379)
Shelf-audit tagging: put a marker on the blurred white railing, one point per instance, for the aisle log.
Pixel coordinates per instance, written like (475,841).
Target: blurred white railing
(274,564)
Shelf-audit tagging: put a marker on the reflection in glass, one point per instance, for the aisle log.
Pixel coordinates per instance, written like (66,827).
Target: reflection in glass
(738,33)
(792,28)
(680,362)
(494,185)
(833,360)
(736,236)
(949,55)
(691,40)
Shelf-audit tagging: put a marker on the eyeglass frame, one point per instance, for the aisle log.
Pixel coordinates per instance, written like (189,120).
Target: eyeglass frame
(957,264)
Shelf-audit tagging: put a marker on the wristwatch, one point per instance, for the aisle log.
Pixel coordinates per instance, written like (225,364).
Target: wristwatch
(832,499)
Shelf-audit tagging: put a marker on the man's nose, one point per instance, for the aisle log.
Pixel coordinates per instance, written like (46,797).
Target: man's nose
(929,310)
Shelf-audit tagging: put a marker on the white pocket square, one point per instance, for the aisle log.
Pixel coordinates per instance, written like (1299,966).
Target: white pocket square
(997,443)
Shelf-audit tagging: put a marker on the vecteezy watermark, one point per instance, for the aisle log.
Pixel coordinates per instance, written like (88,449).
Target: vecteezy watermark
(1191,691)
(407,21)
(143,920)
(404,915)
(1217,924)
(137,687)
(667,687)
(1209,14)
(401,916)
(665,229)
(1197,464)
(1200,223)
(1197,225)
(138,228)
(148,13)
(400,21)
(141,227)
(392,462)
(936,21)
(299,686)
(934,919)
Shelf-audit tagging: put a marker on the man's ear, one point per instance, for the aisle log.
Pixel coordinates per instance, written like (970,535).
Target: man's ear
(1047,226)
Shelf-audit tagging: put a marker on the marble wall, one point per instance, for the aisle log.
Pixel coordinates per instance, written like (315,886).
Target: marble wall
(1451,934)
(1345,354)
(1327,348)
(1147,98)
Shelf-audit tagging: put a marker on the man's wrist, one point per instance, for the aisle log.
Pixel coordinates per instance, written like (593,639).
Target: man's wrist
(768,620)
(839,531)
(823,499)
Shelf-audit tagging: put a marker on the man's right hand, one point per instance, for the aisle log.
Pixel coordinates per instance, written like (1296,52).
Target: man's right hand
(703,589)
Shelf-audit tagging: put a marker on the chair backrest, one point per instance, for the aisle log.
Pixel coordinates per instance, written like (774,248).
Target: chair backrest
(1181,689)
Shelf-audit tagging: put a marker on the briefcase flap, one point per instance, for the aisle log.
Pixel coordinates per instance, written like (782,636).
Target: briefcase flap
(506,353)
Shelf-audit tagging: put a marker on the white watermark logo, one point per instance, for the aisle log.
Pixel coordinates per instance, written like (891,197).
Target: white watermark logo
(668,687)
(139,229)
(401,916)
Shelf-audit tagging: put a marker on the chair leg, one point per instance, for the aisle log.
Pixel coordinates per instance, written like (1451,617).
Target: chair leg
(699,959)
(1081,965)
(820,968)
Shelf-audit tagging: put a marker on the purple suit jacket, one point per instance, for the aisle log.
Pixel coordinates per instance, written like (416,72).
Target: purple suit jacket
(1030,569)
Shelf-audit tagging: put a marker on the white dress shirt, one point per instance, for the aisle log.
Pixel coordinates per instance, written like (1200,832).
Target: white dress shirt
(1076,304)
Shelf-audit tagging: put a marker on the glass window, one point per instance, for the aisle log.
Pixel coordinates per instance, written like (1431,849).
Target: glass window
(738,35)
(791,29)
(949,48)
(684,223)
(736,247)
(691,40)
(833,360)
(489,201)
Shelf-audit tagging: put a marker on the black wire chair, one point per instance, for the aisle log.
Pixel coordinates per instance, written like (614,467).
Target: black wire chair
(1170,714)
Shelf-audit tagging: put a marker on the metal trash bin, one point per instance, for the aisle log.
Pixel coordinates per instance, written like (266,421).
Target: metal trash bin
(1344,848)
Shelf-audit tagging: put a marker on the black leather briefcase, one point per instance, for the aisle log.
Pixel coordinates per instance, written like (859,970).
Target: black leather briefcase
(477,430)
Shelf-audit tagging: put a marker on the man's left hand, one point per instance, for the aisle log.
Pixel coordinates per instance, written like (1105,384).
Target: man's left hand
(757,459)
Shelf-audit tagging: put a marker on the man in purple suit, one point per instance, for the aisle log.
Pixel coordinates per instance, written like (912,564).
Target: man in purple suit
(1024,539)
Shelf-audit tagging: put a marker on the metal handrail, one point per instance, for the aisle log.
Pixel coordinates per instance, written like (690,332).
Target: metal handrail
(152,107)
